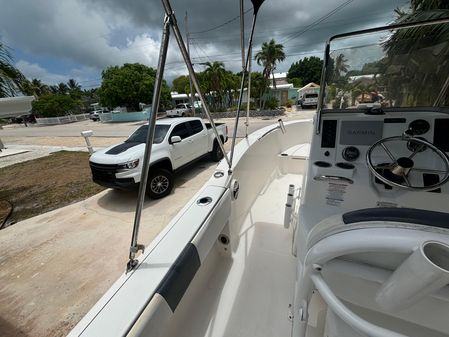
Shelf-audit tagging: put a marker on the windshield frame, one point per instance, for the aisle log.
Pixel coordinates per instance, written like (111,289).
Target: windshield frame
(320,109)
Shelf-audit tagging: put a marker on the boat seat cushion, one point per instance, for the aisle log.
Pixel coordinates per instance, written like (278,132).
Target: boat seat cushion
(387,217)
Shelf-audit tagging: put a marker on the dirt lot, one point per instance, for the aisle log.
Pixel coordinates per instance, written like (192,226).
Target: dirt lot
(44,184)
(55,266)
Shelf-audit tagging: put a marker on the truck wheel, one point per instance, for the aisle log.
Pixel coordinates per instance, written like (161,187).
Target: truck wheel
(216,154)
(183,114)
(160,183)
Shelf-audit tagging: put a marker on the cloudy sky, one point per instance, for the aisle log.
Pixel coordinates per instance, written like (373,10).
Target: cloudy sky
(55,40)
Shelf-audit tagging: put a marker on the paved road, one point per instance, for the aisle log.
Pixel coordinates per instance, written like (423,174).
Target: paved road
(125,129)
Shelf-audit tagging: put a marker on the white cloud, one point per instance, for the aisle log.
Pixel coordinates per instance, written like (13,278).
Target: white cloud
(83,75)
(83,32)
(72,31)
(33,70)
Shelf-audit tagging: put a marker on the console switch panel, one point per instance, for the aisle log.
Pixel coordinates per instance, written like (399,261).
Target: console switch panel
(440,135)
(329,134)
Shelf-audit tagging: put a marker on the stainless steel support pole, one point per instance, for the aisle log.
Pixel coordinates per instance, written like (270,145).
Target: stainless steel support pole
(242,33)
(248,103)
(135,246)
(188,52)
(242,84)
(169,12)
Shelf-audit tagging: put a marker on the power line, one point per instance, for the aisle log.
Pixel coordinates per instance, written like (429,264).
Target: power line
(221,25)
(291,30)
(316,22)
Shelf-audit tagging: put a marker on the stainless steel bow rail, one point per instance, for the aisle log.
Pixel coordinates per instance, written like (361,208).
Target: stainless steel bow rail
(171,22)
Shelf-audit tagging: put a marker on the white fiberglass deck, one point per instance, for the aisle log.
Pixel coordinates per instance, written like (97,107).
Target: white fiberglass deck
(248,293)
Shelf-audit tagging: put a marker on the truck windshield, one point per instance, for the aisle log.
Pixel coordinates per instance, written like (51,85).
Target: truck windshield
(311,96)
(404,68)
(140,135)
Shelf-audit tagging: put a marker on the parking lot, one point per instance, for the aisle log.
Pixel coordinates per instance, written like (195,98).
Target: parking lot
(56,265)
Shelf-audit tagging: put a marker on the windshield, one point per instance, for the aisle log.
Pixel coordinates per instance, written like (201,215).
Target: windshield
(311,96)
(406,68)
(140,135)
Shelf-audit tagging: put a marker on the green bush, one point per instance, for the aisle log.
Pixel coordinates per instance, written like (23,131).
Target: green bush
(272,103)
(252,106)
(54,105)
(289,103)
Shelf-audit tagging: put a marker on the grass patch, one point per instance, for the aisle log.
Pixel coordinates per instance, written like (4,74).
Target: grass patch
(44,184)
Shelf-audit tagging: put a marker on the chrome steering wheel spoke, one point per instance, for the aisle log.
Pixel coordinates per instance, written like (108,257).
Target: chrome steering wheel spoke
(418,150)
(388,152)
(404,166)
(407,182)
(431,171)
(383,166)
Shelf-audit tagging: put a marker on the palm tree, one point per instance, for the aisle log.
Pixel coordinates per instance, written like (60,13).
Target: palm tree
(54,89)
(215,74)
(259,84)
(35,87)
(73,85)
(270,54)
(11,79)
(215,71)
(62,88)
(231,84)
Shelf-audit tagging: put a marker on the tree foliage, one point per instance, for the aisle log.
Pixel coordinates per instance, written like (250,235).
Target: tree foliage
(305,71)
(129,85)
(259,84)
(11,79)
(425,45)
(35,87)
(181,84)
(270,54)
(53,105)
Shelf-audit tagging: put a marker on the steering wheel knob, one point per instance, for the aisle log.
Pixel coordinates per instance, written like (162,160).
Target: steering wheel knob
(402,166)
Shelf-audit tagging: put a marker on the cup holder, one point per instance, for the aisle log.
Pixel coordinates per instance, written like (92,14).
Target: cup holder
(345,166)
(322,164)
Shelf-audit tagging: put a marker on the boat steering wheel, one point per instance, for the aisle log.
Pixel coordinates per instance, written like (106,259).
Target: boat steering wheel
(397,173)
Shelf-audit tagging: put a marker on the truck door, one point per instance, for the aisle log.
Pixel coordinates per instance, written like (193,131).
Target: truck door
(181,152)
(200,145)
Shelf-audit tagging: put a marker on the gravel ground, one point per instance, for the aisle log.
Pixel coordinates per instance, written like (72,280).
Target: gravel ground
(43,146)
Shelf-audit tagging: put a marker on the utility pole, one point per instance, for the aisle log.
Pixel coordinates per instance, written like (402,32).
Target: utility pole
(188,52)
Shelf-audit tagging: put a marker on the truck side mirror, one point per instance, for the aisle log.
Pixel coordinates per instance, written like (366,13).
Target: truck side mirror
(175,139)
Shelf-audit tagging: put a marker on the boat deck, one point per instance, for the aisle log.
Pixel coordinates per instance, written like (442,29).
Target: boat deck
(248,293)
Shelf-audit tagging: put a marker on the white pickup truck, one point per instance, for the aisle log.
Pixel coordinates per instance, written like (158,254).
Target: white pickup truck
(308,98)
(181,110)
(177,143)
